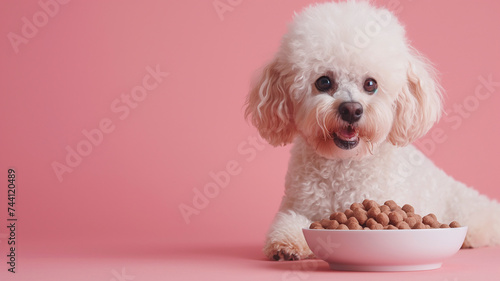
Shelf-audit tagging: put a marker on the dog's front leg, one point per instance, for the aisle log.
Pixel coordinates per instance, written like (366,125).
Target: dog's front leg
(285,240)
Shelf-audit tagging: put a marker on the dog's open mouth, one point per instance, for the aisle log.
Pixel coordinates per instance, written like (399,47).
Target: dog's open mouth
(346,138)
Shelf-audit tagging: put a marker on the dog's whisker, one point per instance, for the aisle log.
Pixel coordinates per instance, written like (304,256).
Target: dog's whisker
(320,123)
(370,145)
(321,120)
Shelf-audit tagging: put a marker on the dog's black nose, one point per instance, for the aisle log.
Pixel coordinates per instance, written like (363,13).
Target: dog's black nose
(350,111)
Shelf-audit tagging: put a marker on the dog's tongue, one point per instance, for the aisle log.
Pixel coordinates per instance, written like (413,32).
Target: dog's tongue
(347,133)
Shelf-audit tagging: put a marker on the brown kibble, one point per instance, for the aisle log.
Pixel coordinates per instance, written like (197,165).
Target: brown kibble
(391,204)
(340,218)
(401,212)
(377,226)
(352,220)
(342,227)
(402,225)
(368,204)
(395,218)
(354,226)
(431,221)
(368,215)
(419,225)
(325,222)
(385,209)
(408,208)
(352,223)
(373,212)
(349,213)
(365,202)
(316,225)
(370,222)
(356,205)
(334,215)
(383,219)
(360,215)
(427,220)
(411,221)
(333,225)
(416,216)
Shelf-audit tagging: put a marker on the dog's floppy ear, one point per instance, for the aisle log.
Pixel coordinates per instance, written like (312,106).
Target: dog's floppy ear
(269,106)
(418,105)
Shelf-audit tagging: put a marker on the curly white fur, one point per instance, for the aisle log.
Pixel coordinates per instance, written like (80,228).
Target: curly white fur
(350,42)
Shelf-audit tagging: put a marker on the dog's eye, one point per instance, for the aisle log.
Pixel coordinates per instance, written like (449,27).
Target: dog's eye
(323,84)
(370,85)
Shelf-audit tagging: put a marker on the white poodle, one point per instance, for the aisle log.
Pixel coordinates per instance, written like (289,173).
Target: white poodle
(351,94)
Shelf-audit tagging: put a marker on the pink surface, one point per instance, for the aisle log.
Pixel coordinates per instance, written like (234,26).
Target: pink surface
(139,106)
(240,261)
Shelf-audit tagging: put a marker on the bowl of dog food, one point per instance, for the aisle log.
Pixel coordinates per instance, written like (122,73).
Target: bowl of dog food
(387,237)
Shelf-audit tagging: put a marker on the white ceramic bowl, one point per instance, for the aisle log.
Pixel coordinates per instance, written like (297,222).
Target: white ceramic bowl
(385,250)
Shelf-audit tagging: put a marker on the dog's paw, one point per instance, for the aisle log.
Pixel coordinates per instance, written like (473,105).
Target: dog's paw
(283,255)
(287,252)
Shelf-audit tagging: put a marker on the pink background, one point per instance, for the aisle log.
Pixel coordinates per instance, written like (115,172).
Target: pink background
(121,202)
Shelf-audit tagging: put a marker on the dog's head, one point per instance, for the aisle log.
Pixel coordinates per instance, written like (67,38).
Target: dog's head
(346,80)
